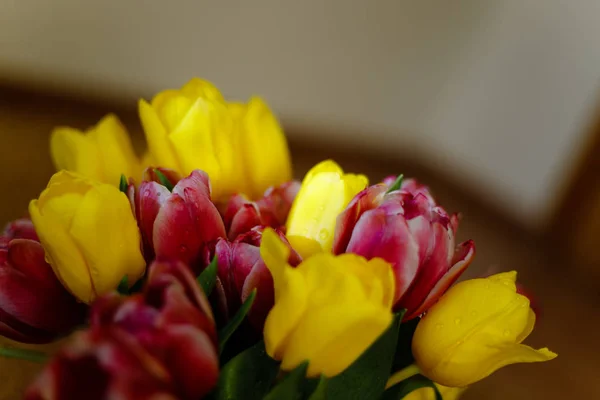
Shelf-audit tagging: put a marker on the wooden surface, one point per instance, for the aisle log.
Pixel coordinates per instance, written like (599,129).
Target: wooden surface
(569,324)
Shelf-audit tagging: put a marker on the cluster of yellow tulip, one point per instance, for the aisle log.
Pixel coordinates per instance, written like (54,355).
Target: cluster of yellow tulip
(329,308)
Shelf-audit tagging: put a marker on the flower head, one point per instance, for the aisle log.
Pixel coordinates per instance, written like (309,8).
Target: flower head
(103,153)
(408,229)
(180,225)
(158,344)
(240,146)
(89,233)
(476,328)
(328,310)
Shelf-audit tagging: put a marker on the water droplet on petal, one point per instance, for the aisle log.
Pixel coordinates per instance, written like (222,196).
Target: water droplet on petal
(457,321)
(438,326)
(323,234)
(506,332)
(183,248)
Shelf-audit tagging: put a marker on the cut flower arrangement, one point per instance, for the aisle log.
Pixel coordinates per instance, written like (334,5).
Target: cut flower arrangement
(202,270)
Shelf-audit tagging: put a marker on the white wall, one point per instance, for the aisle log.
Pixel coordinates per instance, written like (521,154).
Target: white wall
(498,91)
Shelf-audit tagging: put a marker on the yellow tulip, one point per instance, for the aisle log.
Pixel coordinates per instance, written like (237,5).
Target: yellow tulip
(102,153)
(240,146)
(328,310)
(89,234)
(325,193)
(476,328)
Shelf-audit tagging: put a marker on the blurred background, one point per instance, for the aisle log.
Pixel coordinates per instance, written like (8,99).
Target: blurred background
(494,104)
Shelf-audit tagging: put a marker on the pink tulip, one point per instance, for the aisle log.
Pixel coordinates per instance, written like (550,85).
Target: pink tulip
(241,214)
(181,225)
(241,270)
(34,306)
(161,343)
(409,230)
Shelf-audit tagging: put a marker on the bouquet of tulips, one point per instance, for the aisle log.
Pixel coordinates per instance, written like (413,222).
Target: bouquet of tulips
(202,270)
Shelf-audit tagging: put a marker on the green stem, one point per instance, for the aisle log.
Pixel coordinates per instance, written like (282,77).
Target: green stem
(23,354)
(403,374)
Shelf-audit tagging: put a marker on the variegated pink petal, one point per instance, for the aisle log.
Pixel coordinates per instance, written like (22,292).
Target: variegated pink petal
(366,200)
(431,269)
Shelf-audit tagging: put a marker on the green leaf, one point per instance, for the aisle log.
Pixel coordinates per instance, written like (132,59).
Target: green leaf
(23,354)
(367,376)
(164,180)
(123,287)
(290,387)
(397,183)
(226,332)
(404,357)
(402,389)
(208,277)
(138,286)
(123,185)
(320,392)
(249,375)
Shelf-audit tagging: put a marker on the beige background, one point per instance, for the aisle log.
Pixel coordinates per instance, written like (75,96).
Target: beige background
(495,92)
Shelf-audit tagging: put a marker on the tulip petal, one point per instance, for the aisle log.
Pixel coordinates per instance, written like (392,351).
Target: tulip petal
(291,299)
(104,221)
(291,295)
(72,150)
(274,252)
(490,359)
(193,140)
(28,257)
(264,148)
(367,199)
(332,347)
(187,221)
(195,368)
(316,208)
(115,150)
(432,269)
(463,257)
(156,135)
(151,197)
(61,250)
(197,87)
(323,166)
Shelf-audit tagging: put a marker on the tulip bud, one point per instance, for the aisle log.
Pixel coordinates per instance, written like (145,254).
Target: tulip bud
(161,343)
(241,270)
(474,329)
(181,225)
(103,153)
(241,214)
(34,306)
(409,230)
(89,234)
(328,310)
